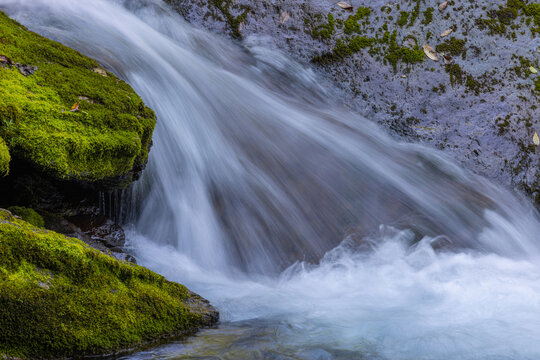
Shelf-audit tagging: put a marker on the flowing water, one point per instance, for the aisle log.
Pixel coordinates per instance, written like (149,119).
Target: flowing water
(315,234)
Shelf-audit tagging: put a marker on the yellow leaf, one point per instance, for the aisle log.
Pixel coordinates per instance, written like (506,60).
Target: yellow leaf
(75,107)
(533,70)
(536,140)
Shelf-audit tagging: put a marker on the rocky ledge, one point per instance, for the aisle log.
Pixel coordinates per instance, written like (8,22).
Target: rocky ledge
(478,102)
(61,298)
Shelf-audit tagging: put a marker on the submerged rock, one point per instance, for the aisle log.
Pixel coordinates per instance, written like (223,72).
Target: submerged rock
(480,105)
(60,298)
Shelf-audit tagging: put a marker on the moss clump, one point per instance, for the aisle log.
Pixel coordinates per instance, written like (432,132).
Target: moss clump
(28,215)
(457,75)
(5,158)
(325,31)
(398,53)
(452,46)
(505,15)
(403,17)
(61,298)
(534,11)
(473,85)
(537,85)
(234,22)
(428,16)
(351,23)
(415,13)
(343,49)
(110,134)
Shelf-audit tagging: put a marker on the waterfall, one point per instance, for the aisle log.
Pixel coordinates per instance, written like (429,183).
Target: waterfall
(268,196)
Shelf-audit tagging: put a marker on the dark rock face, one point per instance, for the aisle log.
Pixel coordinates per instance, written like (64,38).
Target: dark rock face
(481,107)
(68,207)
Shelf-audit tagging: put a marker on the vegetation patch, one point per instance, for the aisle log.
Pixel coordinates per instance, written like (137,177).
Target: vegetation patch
(452,46)
(498,20)
(61,298)
(403,17)
(28,215)
(351,23)
(5,158)
(66,116)
(428,16)
(415,13)
(325,31)
(404,54)
(225,6)
(344,48)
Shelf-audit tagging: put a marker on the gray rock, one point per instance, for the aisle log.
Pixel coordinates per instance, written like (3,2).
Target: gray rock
(482,110)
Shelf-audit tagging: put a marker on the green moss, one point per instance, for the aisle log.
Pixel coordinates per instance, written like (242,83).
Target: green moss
(533,10)
(499,19)
(472,85)
(5,158)
(325,31)
(108,137)
(537,85)
(457,75)
(351,23)
(398,53)
(452,46)
(415,13)
(28,215)
(234,22)
(61,298)
(343,49)
(403,17)
(386,37)
(428,16)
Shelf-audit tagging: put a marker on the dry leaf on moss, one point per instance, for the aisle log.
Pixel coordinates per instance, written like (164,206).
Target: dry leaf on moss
(430,52)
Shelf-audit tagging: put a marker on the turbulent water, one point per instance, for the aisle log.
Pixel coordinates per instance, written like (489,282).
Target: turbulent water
(315,234)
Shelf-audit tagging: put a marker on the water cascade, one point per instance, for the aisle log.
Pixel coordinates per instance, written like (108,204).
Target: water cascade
(316,234)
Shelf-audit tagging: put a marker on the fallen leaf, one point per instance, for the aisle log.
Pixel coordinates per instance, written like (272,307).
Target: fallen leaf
(447,59)
(447,32)
(443,5)
(430,52)
(75,107)
(284,17)
(345,6)
(536,140)
(100,71)
(533,70)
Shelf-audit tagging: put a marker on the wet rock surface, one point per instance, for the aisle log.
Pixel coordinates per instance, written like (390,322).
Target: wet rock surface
(478,103)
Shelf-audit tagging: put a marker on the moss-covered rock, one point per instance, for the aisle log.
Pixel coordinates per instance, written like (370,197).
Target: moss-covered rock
(5,158)
(29,215)
(66,116)
(59,297)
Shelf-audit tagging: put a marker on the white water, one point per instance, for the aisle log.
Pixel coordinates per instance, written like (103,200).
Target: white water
(255,170)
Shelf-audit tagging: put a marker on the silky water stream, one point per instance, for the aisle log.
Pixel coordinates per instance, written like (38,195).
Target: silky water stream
(315,234)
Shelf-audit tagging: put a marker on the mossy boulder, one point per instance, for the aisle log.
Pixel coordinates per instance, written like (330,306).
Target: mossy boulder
(28,215)
(5,158)
(63,114)
(61,298)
